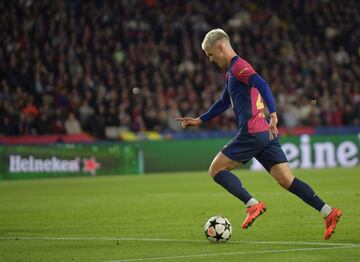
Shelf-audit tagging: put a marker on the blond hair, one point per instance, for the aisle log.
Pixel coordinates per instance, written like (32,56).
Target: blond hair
(213,36)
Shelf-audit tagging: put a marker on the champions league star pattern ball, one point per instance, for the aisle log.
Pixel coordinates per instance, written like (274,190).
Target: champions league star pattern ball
(218,229)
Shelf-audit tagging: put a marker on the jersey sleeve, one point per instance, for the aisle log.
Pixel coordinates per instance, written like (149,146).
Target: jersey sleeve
(264,89)
(218,107)
(242,71)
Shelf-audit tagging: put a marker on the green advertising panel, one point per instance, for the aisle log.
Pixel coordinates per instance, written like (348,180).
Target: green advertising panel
(180,155)
(305,151)
(164,156)
(319,151)
(37,161)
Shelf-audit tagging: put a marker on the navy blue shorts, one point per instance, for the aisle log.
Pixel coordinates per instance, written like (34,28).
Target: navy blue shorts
(244,147)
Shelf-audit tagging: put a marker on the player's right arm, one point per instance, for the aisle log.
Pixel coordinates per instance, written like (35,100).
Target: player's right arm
(216,109)
(189,121)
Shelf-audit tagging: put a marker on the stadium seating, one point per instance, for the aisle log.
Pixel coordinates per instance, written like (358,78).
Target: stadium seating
(135,65)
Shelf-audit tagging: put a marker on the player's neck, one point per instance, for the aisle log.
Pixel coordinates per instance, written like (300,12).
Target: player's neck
(230,55)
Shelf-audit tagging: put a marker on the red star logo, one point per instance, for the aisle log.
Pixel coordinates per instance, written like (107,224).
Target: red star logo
(90,165)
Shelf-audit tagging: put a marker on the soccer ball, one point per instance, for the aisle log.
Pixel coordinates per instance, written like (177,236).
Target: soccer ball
(218,229)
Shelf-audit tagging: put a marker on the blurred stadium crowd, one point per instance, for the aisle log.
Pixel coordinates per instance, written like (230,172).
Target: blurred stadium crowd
(73,66)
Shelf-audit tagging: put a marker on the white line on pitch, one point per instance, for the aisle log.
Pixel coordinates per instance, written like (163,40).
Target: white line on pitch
(233,253)
(176,240)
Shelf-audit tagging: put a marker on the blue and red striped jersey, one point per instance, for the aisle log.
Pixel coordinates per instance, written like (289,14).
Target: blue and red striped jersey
(244,92)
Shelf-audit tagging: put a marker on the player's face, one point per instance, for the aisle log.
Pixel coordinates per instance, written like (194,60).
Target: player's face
(216,55)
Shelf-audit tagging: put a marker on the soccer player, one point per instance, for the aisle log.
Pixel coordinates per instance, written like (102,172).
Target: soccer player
(245,91)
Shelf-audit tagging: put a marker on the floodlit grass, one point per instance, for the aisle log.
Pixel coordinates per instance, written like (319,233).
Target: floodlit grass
(160,217)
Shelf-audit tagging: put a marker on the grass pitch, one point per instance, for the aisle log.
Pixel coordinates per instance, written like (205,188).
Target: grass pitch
(161,217)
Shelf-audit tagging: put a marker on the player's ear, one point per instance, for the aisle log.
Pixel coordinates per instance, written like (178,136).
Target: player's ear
(221,46)
(218,45)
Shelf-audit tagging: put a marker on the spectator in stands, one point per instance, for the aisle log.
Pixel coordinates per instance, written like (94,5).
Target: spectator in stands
(86,115)
(30,109)
(43,125)
(80,55)
(72,125)
(98,122)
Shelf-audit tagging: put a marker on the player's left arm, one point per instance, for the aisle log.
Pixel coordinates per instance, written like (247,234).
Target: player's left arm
(246,74)
(264,89)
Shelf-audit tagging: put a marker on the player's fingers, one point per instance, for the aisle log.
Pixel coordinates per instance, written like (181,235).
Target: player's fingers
(273,132)
(270,135)
(276,131)
(274,135)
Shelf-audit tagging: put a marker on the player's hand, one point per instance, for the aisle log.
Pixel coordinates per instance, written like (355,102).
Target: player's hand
(189,121)
(273,131)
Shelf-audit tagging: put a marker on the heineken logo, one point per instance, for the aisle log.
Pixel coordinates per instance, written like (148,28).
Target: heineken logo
(31,164)
(90,165)
(319,154)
